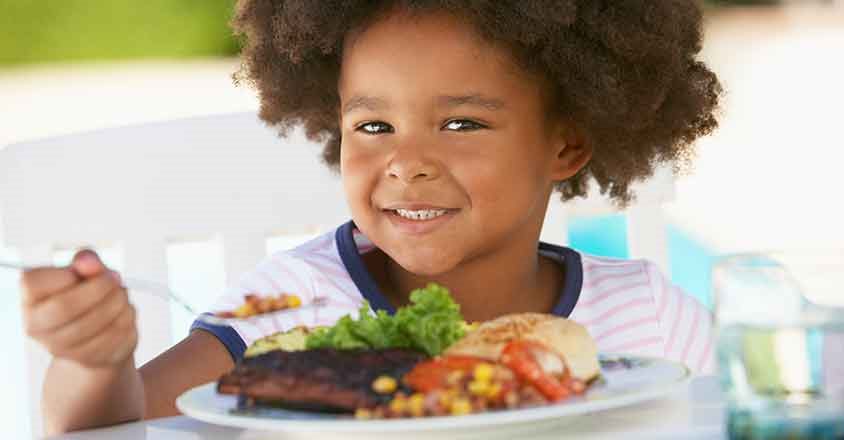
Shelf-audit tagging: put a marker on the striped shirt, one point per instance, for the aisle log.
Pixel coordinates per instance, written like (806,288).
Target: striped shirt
(627,306)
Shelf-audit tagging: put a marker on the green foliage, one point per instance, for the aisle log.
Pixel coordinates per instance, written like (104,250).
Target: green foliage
(430,324)
(70,30)
(34,31)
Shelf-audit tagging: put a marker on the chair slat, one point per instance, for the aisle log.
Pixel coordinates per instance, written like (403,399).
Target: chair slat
(145,257)
(647,235)
(242,251)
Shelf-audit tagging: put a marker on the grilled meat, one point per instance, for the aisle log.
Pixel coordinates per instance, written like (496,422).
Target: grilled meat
(322,379)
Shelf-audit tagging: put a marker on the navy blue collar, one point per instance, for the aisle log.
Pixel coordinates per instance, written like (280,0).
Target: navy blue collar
(369,289)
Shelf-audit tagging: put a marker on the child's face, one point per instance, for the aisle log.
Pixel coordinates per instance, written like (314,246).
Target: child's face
(437,121)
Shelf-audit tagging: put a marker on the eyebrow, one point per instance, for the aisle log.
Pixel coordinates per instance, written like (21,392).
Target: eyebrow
(372,103)
(473,100)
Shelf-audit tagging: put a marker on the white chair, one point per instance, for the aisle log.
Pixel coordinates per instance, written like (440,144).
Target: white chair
(229,176)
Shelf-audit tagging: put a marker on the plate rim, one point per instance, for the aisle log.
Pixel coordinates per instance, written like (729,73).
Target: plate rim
(440,423)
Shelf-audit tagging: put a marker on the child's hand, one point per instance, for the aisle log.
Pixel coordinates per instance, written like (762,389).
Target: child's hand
(80,313)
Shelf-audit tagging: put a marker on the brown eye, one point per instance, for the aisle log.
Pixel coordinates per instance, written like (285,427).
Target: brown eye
(463,125)
(375,128)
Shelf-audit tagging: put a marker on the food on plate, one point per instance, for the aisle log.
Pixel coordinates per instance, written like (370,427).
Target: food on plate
(423,361)
(563,338)
(429,324)
(362,349)
(257,305)
(291,340)
(322,379)
(513,361)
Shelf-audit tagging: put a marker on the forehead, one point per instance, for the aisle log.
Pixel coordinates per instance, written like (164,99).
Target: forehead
(428,50)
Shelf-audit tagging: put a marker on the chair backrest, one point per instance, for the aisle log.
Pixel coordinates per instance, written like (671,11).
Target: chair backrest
(229,176)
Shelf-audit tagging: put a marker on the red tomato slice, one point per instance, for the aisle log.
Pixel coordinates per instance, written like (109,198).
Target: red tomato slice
(518,356)
(433,374)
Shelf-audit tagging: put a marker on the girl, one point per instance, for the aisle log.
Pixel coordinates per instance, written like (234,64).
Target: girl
(452,123)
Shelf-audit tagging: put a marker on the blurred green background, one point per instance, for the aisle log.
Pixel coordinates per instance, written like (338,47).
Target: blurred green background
(34,31)
(71,30)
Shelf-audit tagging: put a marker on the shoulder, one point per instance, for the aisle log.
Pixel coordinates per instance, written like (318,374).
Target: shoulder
(311,270)
(632,302)
(616,304)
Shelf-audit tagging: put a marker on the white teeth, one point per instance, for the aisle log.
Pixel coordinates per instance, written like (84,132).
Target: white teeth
(426,214)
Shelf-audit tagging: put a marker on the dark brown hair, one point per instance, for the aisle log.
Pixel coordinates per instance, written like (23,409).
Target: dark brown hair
(623,71)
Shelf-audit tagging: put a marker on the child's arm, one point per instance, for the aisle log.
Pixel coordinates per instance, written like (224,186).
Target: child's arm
(199,358)
(686,325)
(78,397)
(82,315)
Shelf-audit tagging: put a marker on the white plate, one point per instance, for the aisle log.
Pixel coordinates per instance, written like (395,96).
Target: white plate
(626,380)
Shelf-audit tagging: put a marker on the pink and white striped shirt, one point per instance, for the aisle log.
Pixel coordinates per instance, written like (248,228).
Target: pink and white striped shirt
(626,305)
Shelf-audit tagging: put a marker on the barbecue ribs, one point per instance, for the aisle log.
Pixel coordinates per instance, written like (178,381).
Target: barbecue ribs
(320,379)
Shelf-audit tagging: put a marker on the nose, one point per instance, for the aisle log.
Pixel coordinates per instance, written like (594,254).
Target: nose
(410,165)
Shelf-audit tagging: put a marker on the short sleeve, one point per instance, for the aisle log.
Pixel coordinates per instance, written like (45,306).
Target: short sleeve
(686,325)
(280,273)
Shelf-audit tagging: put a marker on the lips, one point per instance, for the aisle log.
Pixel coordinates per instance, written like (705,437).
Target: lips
(418,217)
(414,206)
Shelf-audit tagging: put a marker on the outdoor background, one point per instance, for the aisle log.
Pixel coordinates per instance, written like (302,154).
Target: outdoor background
(768,179)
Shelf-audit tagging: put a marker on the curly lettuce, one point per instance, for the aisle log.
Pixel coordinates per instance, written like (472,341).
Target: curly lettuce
(430,324)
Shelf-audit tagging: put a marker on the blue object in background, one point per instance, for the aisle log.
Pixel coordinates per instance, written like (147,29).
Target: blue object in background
(606,236)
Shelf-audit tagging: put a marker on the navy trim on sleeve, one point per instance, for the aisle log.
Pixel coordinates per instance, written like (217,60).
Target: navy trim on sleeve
(227,335)
(350,255)
(573,278)
(353,262)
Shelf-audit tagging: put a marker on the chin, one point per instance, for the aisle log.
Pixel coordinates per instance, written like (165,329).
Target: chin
(425,262)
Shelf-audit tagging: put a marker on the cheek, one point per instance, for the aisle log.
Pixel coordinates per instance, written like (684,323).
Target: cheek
(499,179)
(358,176)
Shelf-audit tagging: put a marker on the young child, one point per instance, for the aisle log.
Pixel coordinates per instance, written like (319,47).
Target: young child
(452,123)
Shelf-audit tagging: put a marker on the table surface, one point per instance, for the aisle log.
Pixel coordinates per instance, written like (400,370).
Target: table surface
(694,413)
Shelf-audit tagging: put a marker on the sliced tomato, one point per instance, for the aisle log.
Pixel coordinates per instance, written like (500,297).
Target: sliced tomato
(518,356)
(433,374)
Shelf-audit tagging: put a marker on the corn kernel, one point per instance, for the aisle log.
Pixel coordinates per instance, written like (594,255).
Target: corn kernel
(447,397)
(384,385)
(398,405)
(484,372)
(293,301)
(479,387)
(416,403)
(363,414)
(469,326)
(461,406)
(244,311)
(494,390)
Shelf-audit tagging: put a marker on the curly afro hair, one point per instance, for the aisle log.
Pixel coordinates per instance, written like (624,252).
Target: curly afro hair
(623,71)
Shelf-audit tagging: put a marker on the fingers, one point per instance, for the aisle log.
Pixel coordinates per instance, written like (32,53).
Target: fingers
(111,345)
(38,284)
(64,307)
(81,312)
(87,263)
(93,322)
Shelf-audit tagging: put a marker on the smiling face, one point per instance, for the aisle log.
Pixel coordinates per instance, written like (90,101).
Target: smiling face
(447,153)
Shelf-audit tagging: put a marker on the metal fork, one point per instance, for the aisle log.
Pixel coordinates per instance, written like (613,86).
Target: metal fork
(163,291)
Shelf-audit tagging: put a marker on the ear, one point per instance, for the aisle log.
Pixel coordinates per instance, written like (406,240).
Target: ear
(571,152)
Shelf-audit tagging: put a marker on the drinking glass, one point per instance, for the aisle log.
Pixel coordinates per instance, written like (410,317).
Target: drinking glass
(780,320)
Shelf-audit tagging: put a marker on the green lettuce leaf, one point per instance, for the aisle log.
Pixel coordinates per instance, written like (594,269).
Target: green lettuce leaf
(430,324)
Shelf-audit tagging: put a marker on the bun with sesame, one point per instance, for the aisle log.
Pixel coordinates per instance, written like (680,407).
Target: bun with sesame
(563,337)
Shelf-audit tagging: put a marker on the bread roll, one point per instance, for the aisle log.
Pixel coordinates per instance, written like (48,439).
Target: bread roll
(564,337)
